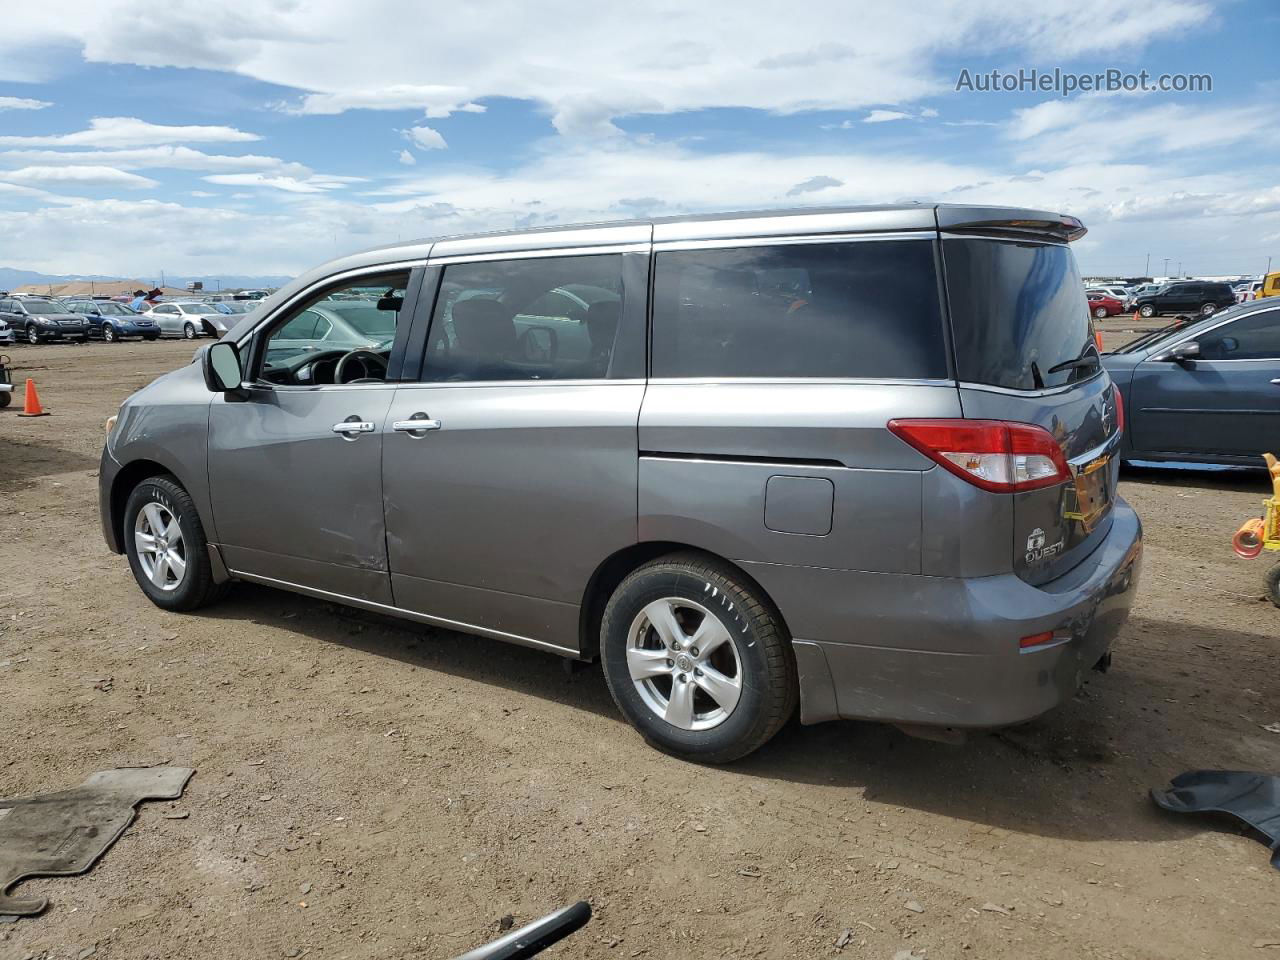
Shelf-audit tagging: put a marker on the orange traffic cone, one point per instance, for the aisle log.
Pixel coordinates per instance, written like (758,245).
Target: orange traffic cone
(32,408)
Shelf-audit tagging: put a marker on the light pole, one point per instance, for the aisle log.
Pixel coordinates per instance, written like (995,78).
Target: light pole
(1166,266)
(1146,271)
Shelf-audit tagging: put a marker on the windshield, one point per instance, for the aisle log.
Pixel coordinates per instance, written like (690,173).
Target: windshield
(115,309)
(1018,310)
(45,306)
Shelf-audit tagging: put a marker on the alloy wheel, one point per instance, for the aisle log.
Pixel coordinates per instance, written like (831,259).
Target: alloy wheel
(684,663)
(189,331)
(108,332)
(33,335)
(162,552)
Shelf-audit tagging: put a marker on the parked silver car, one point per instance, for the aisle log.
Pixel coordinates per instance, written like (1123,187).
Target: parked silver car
(189,319)
(727,466)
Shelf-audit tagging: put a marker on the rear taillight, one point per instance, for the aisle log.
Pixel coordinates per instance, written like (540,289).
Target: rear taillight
(1119,409)
(995,455)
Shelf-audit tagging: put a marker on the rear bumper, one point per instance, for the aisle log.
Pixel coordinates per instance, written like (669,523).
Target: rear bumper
(935,651)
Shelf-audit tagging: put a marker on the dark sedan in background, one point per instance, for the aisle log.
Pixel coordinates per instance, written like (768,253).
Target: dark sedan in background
(114,321)
(1203,392)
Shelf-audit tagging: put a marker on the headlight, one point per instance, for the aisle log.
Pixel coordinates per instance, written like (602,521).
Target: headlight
(111,423)
(43,320)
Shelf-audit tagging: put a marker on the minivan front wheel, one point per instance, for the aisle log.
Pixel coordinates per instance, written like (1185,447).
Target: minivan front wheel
(696,660)
(166,546)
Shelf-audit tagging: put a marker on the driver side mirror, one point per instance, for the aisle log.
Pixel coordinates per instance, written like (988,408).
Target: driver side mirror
(1182,353)
(222,370)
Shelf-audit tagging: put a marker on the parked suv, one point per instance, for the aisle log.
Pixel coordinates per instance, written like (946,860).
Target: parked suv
(37,319)
(708,452)
(1192,296)
(114,321)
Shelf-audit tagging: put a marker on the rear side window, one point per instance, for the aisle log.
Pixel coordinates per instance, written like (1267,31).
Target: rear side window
(1017,311)
(839,310)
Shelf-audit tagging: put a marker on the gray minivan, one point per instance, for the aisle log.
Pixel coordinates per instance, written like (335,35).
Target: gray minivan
(858,460)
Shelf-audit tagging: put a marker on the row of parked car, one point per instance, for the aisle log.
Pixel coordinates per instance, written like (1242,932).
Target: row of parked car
(40,319)
(1201,297)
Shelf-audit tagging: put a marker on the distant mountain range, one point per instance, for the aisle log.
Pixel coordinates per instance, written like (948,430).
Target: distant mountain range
(11,277)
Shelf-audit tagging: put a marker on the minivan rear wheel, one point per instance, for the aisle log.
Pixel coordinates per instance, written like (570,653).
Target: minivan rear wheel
(697,660)
(166,546)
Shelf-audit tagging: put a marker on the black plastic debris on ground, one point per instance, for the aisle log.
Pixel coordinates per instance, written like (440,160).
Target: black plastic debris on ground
(63,834)
(1251,797)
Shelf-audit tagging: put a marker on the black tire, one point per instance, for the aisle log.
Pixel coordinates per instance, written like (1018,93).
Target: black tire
(1100,313)
(152,337)
(33,334)
(189,330)
(760,650)
(196,587)
(5,398)
(1208,309)
(1272,580)
(108,333)
(1146,310)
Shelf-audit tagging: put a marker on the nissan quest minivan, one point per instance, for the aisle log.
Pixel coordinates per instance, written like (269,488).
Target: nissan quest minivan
(856,462)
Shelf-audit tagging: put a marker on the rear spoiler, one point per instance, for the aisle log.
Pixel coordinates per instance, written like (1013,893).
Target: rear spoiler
(1009,221)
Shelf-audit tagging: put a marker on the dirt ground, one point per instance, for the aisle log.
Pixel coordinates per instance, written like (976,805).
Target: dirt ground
(369,789)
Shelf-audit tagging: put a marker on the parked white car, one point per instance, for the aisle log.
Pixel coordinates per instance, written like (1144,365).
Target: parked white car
(189,319)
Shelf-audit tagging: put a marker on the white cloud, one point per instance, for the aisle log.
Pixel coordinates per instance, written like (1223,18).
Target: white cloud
(23,103)
(166,157)
(581,67)
(316,183)
(81,175)
(434,100)
(407,158)
(425,138)
(131,132)
(884,116)
(1117,127)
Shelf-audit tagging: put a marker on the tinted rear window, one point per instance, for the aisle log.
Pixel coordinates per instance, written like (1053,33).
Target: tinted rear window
(1017,310)
(860,309)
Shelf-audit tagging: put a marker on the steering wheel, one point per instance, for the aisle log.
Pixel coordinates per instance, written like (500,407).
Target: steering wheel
(373,368)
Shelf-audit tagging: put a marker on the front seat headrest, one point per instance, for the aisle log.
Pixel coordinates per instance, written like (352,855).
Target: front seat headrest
(484,327)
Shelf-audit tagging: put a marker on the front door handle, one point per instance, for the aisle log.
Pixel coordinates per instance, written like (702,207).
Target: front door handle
(352,427)
(416,425)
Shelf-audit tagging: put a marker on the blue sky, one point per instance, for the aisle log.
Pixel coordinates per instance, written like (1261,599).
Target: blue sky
(262,137)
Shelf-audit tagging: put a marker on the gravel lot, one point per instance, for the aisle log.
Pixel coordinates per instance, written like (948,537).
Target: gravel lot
(373,789)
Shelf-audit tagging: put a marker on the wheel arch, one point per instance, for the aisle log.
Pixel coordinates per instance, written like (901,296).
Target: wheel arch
(615,568)
(129,476)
